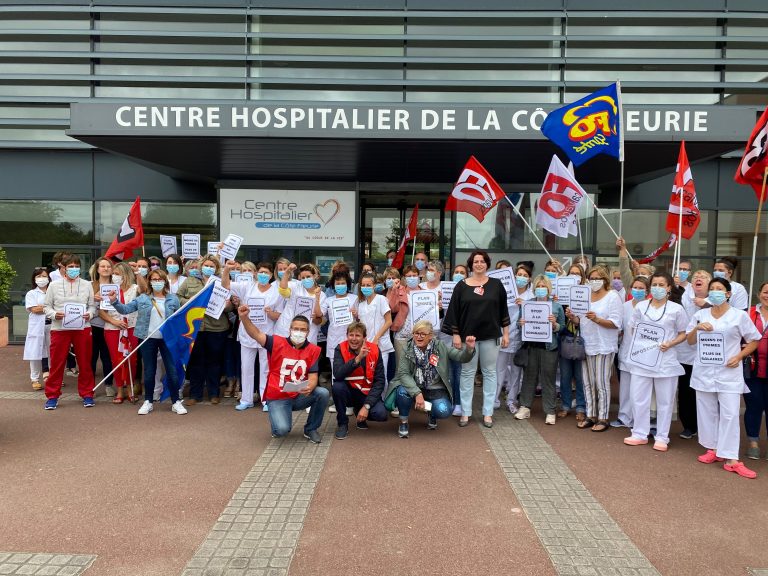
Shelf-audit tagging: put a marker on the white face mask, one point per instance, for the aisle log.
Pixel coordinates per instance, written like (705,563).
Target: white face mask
(596,285)
(298,337)
(117,279)
(42,282)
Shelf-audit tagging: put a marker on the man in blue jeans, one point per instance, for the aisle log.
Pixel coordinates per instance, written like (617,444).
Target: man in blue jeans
(292,378)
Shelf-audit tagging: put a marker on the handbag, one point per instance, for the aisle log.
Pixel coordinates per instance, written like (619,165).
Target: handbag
(521,357)
(389,401)
(572,347)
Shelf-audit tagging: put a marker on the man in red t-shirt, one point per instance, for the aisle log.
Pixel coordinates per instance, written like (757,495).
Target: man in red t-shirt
(358,381)
(292,379)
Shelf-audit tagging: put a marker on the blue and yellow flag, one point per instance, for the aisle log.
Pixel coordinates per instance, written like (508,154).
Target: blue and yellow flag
(180,330)
(588,127)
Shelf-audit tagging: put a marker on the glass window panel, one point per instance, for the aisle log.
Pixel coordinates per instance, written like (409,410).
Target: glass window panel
(736,231)
(331,25)
(609,75)
(513,73)
(171,45)
(179,69)
(331,47)
(63,21)
(31,44)
(485,27)
(45,222)
(298,70)
(191,92)
(649,50)
(487,96)
(474,49)
(52,67)
(325,95)
(169,218)
(752,27)
(171,22)
(36,112)
(56,90)
(640,27)
(35,133)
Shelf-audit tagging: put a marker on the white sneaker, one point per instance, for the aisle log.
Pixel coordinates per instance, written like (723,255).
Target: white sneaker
(395,412)
(523,413)
(550,419)
(178,407)
(146,408)
(332,409)
(109,391)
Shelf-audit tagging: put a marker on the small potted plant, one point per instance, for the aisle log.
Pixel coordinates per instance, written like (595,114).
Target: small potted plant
(7,274)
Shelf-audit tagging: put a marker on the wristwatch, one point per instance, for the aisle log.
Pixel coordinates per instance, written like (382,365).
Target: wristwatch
(367,407)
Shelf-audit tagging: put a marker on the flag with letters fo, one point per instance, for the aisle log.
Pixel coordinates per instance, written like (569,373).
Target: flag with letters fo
(754,163)
(683,190)
(410,234)
(558,205)
(181,329)
(130,236)
(588,127)
(475,192)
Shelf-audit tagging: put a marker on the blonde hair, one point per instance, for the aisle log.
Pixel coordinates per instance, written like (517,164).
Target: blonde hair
(216,263)
(602,271)
(425,324)
(542,279)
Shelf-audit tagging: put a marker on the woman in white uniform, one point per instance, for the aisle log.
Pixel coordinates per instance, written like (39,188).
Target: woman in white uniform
(718,376)
(38,339)
(339,310)
(373,311)
(658,324)
(639,291)
(724,268)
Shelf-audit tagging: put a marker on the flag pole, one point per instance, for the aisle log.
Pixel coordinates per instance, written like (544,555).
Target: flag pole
(754,242)
(533,232)
(581,243)
(132,352)
(679,251)
(621,156)
(600,213)
(621,197)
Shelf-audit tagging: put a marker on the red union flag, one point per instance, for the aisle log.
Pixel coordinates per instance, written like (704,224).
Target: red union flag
(410,234)
(754,163)
(130,235)
(559,202)
(683,189)
(475,192)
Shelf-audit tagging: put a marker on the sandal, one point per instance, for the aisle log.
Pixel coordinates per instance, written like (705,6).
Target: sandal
(580,416)
(562,414)
(586,423)
(117,400)
(601,426)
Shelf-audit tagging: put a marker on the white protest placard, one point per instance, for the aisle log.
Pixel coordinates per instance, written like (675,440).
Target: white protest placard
(537,327)
(256,310)
(73,316)
(212,248)
(710,348)
(446,292)
(423,305)
(168,245)
(244,277)
(190,246)
(104,290)
(294,385)
(342,313)
(231,246)
(304,306)
(644,350)
(580,299)
(218,300)
(507,277)
(563,289)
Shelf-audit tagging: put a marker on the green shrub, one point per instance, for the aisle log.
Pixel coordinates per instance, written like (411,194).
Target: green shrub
(7,274)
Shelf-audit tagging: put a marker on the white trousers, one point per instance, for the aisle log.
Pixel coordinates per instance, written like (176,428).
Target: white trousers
(625,398)
(641,390)
(247,372)
(508,377)
(718,418)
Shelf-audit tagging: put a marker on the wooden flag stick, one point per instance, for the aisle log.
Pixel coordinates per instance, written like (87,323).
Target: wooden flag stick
(757,230)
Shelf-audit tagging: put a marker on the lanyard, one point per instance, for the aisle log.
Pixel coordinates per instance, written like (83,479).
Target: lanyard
(154,303)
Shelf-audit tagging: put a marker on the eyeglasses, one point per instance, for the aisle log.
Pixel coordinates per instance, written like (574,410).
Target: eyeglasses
(422,334)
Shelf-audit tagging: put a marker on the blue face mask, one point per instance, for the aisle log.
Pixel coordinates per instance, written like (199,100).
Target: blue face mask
(638,294)
(458,277)
(658,293)
(366,291)
(233,275)
(521,281)
(195,273)
(143,271)
(717,297)
(718,274)
(551,275)
(420,265)
(683,275)
(389,261)
(73,273)
(379,288)
(307,283)
(412,281)
(208,270)
(263,278)
(541,292)
(389,282)
(172,268)
(280,274)
(341,289)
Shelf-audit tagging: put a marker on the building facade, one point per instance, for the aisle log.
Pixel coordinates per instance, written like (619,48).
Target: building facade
(313,128)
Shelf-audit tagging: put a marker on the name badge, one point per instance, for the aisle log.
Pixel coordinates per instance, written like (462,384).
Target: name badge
(434,359)
(479,291)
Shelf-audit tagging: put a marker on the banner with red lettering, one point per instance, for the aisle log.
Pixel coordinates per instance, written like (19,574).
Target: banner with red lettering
(660,250)
(558,205)
(475,192)
(754,163)
(683,187)
(410,234)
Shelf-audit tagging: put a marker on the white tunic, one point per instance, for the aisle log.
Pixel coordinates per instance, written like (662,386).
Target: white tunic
(739,297)
(372,315)
(672,320)
(686,353)
(272,299)
(626,340)
(175,285)
(336,334)
(599,340)
(34,345)
(735,325)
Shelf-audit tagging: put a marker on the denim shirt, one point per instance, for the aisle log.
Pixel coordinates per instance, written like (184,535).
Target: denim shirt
(143,304)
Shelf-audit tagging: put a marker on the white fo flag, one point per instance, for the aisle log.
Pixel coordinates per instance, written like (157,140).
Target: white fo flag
(559,202)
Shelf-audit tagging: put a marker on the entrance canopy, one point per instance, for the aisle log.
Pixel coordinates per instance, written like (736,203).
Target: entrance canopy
(387,142)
